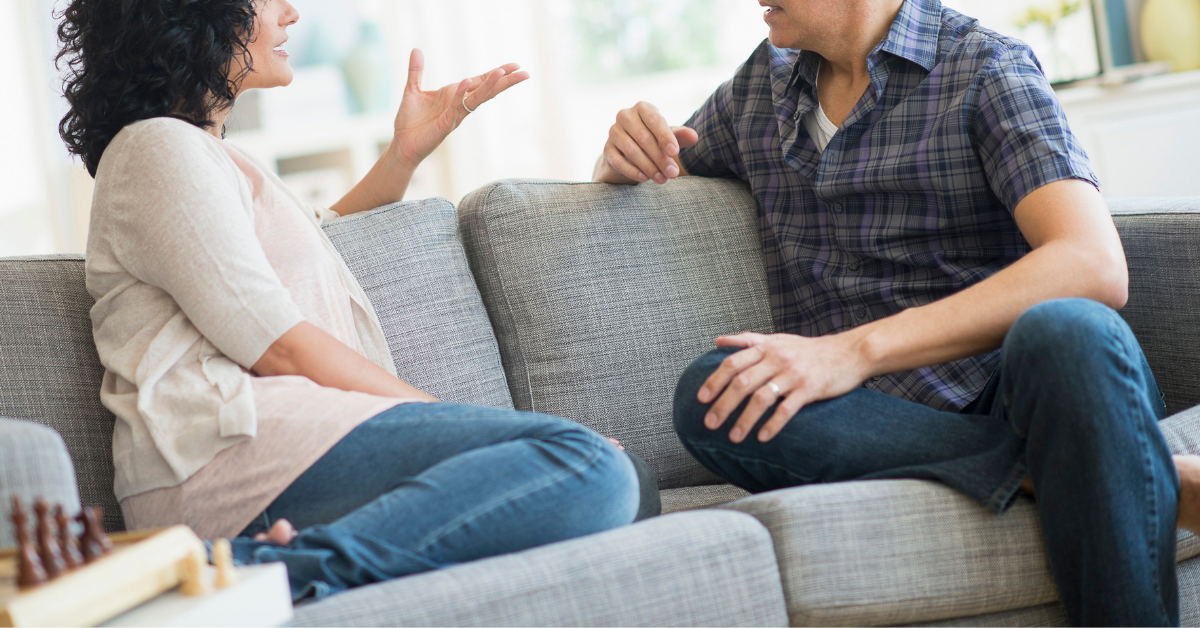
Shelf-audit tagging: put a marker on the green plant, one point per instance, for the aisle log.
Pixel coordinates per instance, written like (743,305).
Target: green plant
(1050,16)
(631,37)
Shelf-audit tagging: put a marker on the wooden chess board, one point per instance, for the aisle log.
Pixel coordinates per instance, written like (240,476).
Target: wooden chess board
(141,566)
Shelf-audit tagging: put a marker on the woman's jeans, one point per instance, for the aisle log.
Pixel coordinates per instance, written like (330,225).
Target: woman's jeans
(427,485)
(1073,405)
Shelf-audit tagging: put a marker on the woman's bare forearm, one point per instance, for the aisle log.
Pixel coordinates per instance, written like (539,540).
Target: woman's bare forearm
(385,184)
(306,350)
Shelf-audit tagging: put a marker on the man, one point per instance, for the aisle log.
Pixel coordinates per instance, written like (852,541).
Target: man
(922,204)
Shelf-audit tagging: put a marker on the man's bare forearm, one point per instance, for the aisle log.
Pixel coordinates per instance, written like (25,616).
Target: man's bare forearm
(976,320)
(1074,256)
(385,184)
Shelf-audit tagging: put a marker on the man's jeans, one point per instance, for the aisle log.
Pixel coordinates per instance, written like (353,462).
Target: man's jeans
(1073,404)
(427,485)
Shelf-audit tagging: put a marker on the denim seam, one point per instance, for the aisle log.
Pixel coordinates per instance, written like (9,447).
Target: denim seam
(462,520)
(1007,493)
(763,461)
(1144,446)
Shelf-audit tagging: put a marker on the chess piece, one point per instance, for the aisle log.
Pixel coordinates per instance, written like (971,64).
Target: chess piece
(29,567)
(66,542)
(48,549)
(222,558)
(93,542)
(192,581)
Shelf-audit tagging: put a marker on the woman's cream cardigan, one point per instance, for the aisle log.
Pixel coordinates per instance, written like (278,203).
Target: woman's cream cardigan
(186,302)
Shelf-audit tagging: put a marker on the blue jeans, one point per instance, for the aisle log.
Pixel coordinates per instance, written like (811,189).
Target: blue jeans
(428,485)
(1073,405)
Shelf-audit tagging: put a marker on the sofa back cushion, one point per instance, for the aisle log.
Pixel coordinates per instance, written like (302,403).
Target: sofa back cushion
(601,295)
(49,370)
(1162,244)
(409,260)
(407,257)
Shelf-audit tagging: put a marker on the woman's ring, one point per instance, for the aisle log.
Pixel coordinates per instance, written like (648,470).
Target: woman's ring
(469,110)
(775,389)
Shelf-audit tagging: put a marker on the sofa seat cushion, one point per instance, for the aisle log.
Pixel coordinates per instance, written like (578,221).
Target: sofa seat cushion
(696,497)
(689,569)
(601,295)
(889,552)
(409,260)
(1053,614)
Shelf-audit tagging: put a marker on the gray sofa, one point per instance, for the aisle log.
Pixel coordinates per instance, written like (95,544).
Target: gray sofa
(587,301)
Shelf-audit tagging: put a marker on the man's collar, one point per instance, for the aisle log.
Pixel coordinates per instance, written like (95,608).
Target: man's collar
(808,64)
(913,36)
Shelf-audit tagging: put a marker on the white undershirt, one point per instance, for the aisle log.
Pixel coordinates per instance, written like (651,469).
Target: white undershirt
(820,129)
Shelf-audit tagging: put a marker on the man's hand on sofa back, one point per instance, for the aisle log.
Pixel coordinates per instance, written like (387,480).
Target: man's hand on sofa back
(643,147)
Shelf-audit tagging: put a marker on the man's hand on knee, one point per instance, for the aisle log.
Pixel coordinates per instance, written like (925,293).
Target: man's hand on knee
(791,371)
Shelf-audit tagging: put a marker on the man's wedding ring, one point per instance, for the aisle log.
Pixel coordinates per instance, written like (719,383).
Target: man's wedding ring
(469,110)
(775,389)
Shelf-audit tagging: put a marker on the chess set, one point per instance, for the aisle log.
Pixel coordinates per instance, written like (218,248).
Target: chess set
(53,578)
(57,552)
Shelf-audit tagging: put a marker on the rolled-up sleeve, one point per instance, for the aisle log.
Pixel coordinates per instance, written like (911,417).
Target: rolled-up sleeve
(181,222)
(1021,132)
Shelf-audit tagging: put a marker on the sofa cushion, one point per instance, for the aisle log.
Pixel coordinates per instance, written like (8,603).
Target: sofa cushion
(602,294)
(409,260)
(34,463)
(50,371)
(689,569)
(889,552)
(696,497)
(1053,614)
(1162,244)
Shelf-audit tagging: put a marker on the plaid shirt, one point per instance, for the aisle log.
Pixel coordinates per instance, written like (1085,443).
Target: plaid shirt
(913,198)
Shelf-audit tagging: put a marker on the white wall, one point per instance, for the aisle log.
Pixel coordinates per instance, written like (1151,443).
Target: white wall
(26,227)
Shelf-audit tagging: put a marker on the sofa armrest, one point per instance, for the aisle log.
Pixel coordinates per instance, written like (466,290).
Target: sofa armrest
(33,463)
(1162,245)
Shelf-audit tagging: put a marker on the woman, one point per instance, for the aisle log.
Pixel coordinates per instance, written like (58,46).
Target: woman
(248,372)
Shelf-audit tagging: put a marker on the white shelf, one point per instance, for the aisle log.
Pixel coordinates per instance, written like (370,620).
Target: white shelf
(1176,82)
(1142,136)
(361,135)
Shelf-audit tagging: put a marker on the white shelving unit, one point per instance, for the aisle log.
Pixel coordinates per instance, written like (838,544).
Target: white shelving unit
(349,145)
(1142,137)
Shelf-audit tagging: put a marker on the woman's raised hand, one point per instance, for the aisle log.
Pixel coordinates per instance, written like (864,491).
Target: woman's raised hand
(426,118)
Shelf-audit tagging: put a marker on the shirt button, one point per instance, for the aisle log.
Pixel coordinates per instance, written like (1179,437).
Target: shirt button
(837,208)
(860,313)
(877,378)
(855,265)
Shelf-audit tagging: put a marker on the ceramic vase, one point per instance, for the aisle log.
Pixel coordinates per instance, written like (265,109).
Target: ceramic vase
(1171,32)
(368,72)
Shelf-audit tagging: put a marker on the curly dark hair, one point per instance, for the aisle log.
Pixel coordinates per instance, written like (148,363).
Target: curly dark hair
(130,60)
